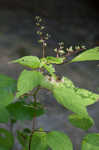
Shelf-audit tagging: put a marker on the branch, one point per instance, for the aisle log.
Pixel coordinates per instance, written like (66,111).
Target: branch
(34,118)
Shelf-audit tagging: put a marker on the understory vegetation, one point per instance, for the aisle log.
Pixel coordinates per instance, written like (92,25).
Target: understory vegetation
(41,74)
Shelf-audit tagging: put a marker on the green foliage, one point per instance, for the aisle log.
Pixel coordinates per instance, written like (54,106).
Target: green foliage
(6,139)
(7,90)
(50,69)
(90,142)
(89,55)
(38,142)
(28,80)
(53,60)
(22,138)
(42,75)
(88,97)
(4,115)
(59,141)
(20,110)
(45,83)
(81,122)
(29,61)
(68,98)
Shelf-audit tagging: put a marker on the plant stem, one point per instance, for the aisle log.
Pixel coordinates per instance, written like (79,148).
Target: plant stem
(33,129)
(43,47)
(34,118)
(42,131)
(11,130)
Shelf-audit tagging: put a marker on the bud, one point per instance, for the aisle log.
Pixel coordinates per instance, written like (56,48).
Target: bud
(40,20)
(77,47)
(55,49)
(61,43)
(40,41)
(70,49)
(42,27)
(61,47)
(47,35)
(45,44)
(37,17)
(37,24)
(46,38)
(83,47)
(61,51)
(38,32)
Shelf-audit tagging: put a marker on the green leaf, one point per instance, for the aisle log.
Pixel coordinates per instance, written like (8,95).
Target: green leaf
(67,82)
(7,82)
(38,141)
(89,55)
(28,80)
(45,83)
(75,99)
(6,139)
(69,99)
(90,142)
(54,60)
(6,96)
(27,131)
(7,90)
(4,115)
(51,60)
(88,97)
(59,141)
(23,111)
(50,69)
(80,122)
(22,138)
(29,61)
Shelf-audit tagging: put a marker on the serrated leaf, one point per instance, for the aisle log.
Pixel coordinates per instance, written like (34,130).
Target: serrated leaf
(45,83)
(59,141)
(7,90)
(90,142)
(81,122)
(67,82)
(6,96)
(69,99)
(7,82)
(6,139)
(50,69)
(38,141)
(89,55)
(23,111)
(4,115)
(28,80)
(75,99)
(29,61)
(52,60)
(27,131)
(88,97)
(22,138)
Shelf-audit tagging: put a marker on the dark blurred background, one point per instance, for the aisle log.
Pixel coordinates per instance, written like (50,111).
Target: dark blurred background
(52,8)
(72,21)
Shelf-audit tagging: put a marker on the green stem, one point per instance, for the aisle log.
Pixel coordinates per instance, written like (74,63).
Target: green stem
(42,131)
(33,129)
(34,119)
